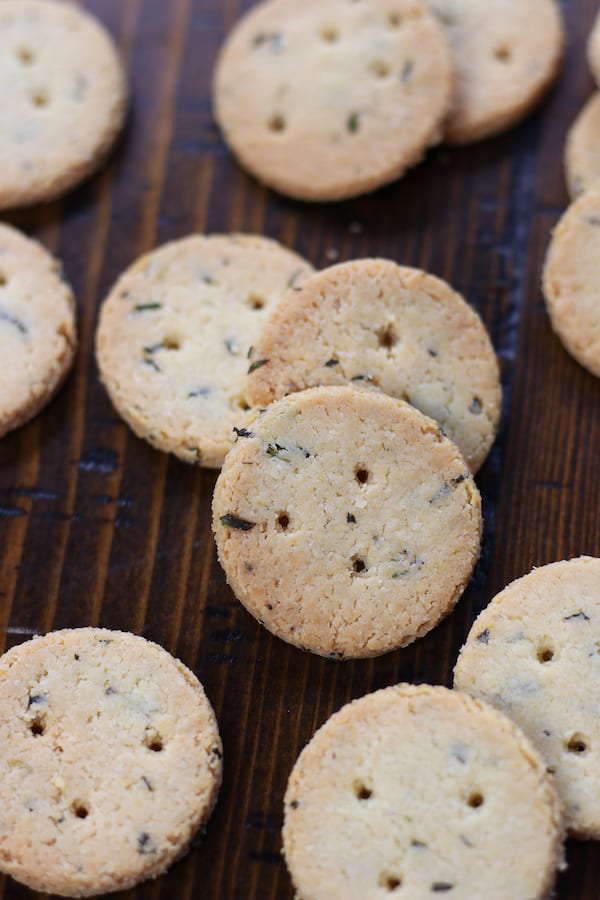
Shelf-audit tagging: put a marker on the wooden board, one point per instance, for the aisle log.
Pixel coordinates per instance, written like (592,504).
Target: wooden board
(98,528)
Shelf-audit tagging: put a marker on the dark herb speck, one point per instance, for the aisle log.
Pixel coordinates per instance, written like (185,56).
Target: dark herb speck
(580,615)
(36,699)
(199,392)
(256,365)
(242,432)
(332,362)
(407,71)
(350,518)
(484,637)
(441,887)
(231,521)
(12,320)
(145,845)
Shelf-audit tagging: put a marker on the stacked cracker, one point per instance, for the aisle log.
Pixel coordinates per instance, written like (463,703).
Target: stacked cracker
(324,101)
(570,281)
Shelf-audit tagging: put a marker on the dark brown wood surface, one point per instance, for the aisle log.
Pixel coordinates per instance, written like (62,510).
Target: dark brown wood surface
(98,528)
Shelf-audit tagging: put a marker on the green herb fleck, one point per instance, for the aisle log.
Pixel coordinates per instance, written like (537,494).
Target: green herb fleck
(146,307)
(256,365)
(433,353)
(154,348)
(109,691)
(147,782)
(231,521)
(152,364)
(332,362)
(353,122)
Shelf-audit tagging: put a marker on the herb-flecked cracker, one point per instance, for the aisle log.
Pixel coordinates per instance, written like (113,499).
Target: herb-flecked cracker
(324,101)
(63,99)
(388,327)
(176,332)
(37,328)
(571,281)
(110,760)
(594,50)
(346,522)
(534,653)
(582,153)
(421,792)
(507,54)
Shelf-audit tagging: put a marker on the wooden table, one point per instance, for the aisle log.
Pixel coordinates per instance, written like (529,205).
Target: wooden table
(98,528)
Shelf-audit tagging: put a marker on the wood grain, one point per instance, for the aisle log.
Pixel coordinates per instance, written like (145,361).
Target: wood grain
(98,528)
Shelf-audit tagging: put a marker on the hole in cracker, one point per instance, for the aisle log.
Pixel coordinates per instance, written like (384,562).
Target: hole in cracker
(503,53)
(80,809)
(26,56)
(330,35)
(40,99)
(256,302)
(577,744)
(387,337)
(361,474)
(153,741)
(379,68)
(283,521)
(358,564)
(243,404)
(390,882)
(361,791)
(475,800)
(37,726)
(277,122)
(545,653)
(171,343)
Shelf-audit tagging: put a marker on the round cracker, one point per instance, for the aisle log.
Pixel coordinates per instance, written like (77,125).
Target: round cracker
(582,152)
(395,329)
(175,334)
(327,101)
(507,54)
(534,654)
(110,760)
(594,50)
(37,328)
(570,282)
(346,522)
(420,792)
(63,96)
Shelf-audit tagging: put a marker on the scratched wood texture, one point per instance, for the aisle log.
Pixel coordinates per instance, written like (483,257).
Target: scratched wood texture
(98,528)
